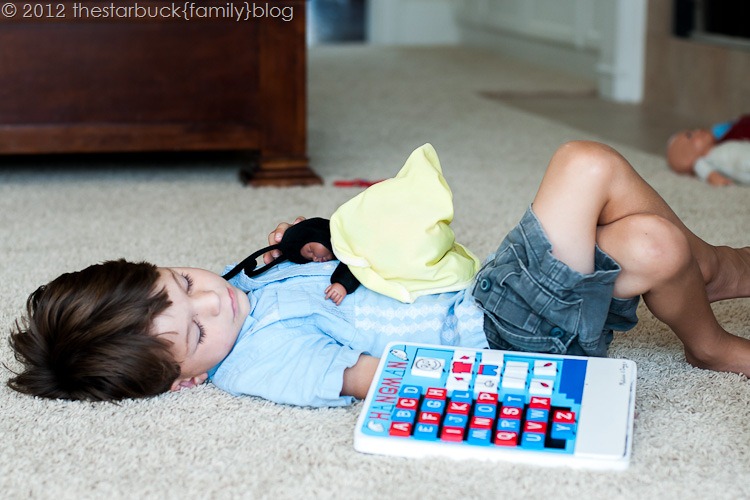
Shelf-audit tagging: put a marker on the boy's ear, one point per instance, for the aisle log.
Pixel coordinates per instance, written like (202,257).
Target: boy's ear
(187,383)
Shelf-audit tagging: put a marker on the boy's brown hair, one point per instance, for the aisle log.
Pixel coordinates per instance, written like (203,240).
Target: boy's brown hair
(87,336)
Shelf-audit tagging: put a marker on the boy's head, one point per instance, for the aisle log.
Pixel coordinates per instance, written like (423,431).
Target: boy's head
(123,330)
(88,336)
(685,147)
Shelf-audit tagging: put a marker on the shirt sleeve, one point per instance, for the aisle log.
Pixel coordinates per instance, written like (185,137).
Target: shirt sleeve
(299,366)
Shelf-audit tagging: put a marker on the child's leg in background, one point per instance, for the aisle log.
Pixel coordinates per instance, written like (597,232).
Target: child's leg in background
(591,195)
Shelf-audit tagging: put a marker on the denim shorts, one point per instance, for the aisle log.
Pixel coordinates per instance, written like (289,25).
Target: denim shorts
(534,302)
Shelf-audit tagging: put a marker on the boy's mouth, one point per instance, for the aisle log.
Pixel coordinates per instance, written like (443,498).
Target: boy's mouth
(233,301)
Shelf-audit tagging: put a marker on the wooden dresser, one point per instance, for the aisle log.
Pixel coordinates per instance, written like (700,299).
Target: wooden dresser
(98,76)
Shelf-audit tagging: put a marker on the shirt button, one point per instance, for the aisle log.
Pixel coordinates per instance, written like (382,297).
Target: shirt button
(484,284)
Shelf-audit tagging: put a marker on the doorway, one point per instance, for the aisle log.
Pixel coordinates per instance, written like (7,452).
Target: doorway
(336,21)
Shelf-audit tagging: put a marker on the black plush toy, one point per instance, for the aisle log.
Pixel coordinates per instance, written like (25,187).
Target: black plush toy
(295,247)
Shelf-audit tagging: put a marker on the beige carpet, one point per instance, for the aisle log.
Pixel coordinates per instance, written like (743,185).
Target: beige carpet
(368,109)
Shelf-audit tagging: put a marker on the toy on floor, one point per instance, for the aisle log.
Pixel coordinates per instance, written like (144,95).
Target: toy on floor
(365,183)
(719,155)
(499,405)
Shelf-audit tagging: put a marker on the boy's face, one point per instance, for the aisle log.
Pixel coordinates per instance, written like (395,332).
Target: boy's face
(202,322)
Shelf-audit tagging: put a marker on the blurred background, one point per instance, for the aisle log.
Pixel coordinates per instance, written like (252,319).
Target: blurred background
(660,65)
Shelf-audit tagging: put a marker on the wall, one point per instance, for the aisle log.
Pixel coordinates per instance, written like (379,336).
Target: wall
(412,22)
(695,79)
(559,34)
(599,39)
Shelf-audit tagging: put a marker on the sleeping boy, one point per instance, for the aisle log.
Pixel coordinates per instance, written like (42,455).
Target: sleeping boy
(595,239)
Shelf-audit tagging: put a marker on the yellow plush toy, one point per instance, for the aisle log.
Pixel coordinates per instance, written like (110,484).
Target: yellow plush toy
(396,238)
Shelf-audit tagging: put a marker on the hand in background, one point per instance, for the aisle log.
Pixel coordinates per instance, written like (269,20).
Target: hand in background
(717,179)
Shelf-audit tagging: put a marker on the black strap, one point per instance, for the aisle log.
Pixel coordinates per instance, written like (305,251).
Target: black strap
(248,265)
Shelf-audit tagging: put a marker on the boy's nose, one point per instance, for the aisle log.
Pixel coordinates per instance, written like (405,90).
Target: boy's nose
(207,302)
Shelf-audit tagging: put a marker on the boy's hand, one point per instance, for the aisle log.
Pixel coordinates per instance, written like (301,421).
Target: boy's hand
(275,237)
(336,292)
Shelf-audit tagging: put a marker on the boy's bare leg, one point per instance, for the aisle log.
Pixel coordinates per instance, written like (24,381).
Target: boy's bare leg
(657,263)
(589,184)
(590,194)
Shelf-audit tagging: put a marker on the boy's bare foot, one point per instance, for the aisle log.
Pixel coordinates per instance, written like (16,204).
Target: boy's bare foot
(733,356)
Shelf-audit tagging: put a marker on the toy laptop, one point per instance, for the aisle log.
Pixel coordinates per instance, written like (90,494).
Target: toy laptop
(463,403)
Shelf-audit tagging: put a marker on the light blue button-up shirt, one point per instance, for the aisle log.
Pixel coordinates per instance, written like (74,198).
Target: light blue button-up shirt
(295,344)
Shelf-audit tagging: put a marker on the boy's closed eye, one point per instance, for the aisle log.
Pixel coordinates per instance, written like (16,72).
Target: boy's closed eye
(189,283)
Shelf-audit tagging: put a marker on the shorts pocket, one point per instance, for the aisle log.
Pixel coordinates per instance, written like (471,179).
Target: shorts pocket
(503,335)
(522,311)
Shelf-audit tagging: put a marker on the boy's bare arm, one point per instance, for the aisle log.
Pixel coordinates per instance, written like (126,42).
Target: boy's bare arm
(358,378)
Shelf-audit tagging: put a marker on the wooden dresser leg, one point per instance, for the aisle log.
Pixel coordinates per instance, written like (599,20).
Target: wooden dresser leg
(280,172)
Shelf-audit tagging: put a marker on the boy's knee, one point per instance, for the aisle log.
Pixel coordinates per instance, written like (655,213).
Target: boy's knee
(582,147)
(595,160)
(659,247)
